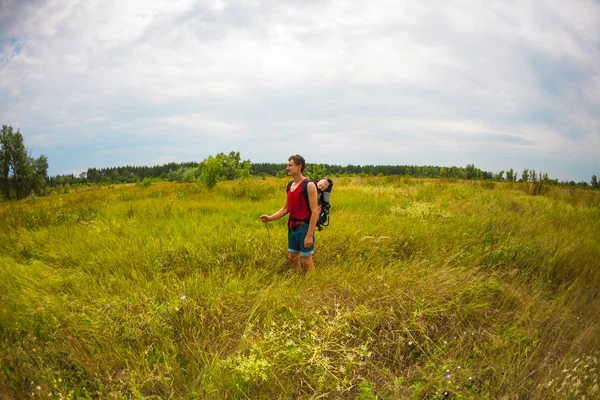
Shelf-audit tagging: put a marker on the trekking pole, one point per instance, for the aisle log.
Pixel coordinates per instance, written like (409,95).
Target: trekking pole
(268,235)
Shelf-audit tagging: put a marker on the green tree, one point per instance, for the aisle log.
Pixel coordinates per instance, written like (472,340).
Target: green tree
(19,173)
(470,171)
(231,164)
(525,175)
(212,171)
(5,162)
(510,175)
(40,174)
(245,169)
(595,181)
(318,172)
(224,167)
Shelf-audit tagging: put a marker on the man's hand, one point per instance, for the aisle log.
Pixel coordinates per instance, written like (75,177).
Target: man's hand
(308,241)
(265,218)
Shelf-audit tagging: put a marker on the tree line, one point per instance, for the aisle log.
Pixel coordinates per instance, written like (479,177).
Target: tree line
(210,171)
(229,166)
(22,175)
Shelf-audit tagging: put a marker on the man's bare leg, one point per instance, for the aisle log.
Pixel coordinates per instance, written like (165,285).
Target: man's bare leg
(294,259)
(308,265)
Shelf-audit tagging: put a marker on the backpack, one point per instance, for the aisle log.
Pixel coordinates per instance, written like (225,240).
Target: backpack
(323,196)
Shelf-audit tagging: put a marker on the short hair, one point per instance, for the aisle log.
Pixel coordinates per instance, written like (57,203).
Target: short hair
(298,160)
(325,182)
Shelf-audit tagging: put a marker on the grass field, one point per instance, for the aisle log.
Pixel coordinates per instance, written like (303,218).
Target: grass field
(423,289)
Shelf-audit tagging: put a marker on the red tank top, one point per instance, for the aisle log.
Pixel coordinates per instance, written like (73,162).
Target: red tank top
(297,206)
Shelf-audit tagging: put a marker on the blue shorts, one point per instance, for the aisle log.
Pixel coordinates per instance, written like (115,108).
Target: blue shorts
(296,241)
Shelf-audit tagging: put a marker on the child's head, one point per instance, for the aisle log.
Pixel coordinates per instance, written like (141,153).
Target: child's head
(323,184)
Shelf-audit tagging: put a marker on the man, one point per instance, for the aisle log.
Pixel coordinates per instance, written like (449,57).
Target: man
(302,222)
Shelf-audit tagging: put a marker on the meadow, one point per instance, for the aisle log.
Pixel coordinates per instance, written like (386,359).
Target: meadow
(424,289)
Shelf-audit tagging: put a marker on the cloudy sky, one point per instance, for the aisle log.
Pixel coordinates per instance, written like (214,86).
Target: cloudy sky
(500,84)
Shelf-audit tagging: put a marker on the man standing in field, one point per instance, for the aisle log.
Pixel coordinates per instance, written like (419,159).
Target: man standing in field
(302,222)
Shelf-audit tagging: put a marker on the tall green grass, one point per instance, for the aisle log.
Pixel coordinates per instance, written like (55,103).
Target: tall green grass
(423,289)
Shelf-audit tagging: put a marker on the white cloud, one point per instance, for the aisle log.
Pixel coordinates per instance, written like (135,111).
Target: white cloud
(197,125)
(367,77)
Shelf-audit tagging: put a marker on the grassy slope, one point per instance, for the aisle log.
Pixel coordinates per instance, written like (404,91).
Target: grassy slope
(424,289)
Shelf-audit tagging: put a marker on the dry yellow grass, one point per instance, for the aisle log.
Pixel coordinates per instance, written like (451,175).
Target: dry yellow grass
(423,289)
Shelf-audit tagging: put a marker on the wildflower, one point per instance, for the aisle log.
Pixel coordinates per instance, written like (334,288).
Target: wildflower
(410,343)
(183,297)
(108,305)
(447,376)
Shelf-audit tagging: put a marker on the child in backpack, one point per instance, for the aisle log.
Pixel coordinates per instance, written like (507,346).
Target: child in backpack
(322,185)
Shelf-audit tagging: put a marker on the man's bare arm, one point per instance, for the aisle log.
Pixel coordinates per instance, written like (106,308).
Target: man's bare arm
(282,212)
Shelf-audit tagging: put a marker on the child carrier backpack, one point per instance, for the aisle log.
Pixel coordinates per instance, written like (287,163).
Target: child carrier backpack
(323,196)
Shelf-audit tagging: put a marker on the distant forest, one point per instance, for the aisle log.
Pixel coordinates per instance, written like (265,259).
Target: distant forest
(192,171)
(22,175)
